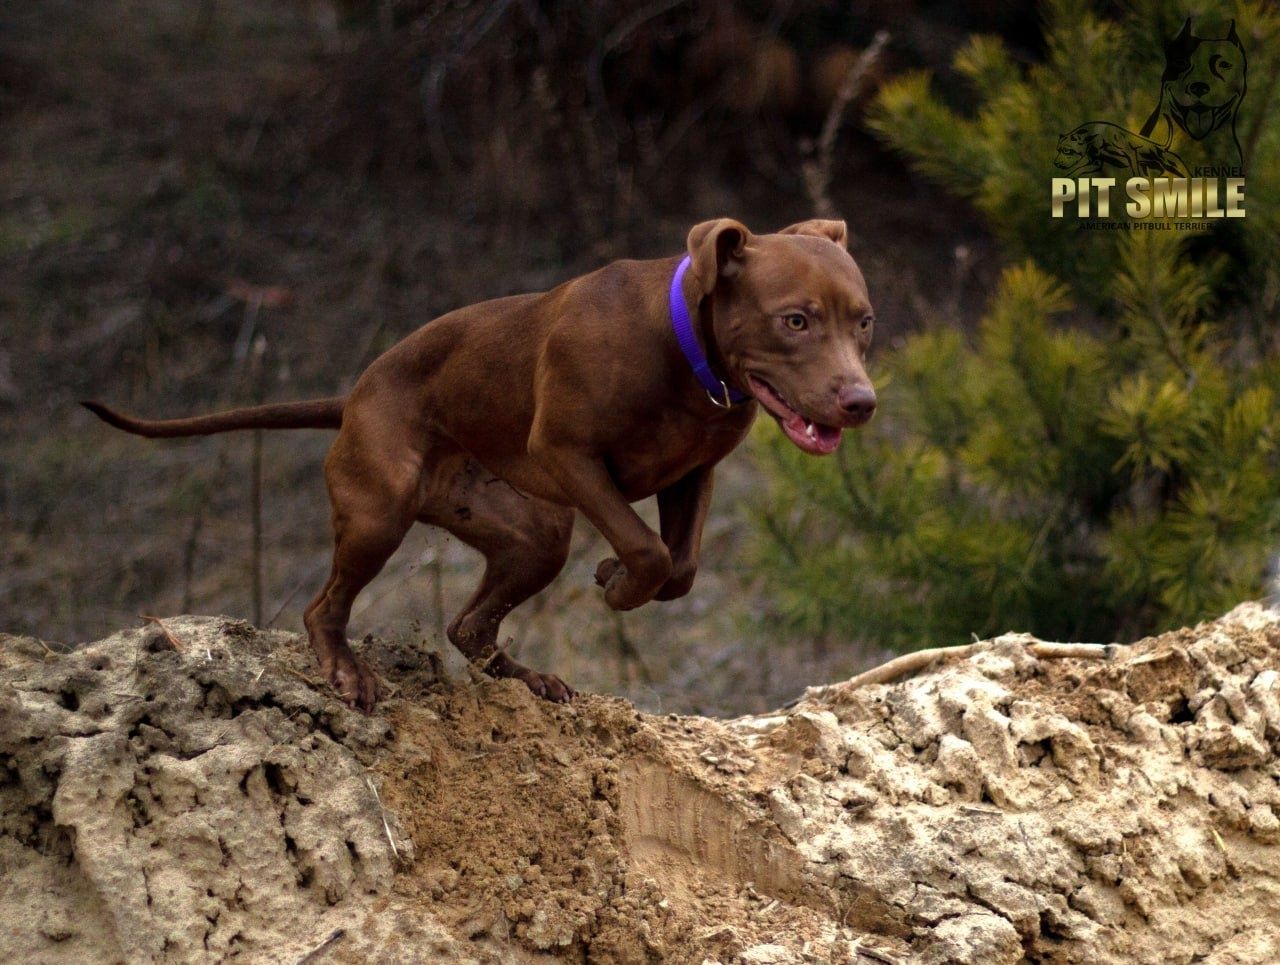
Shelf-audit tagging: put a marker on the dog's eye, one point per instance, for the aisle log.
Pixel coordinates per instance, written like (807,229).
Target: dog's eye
(795,321)
(865,324)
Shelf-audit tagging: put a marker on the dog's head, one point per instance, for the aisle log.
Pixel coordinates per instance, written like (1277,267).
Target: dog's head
(1204,80)
(1071,148)
(792,323)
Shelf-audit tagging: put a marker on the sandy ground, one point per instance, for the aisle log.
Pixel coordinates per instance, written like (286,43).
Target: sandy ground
(212,800)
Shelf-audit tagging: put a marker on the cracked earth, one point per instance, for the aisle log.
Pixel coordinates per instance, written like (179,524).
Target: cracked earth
(162,803)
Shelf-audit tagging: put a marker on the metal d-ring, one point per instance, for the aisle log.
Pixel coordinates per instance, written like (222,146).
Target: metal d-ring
(727,403)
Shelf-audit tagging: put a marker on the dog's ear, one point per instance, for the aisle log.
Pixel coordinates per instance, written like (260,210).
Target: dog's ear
(716,249)
(836,231)
(1184,36)
(1232,36)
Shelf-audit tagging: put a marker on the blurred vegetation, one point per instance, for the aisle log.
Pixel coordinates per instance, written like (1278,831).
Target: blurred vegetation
(1097,459)
(207,201)
(592,115)
(182,181)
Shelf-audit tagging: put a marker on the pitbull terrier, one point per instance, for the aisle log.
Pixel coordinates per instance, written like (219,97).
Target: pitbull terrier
(499,420)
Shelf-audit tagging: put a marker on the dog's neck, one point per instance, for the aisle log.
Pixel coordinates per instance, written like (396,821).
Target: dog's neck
(695,334)
(707,332)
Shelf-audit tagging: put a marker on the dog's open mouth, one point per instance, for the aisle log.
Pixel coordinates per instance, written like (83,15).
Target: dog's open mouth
(1199,119)
(812,437)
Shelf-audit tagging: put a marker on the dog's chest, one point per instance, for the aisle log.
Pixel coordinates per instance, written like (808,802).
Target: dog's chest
(654,457)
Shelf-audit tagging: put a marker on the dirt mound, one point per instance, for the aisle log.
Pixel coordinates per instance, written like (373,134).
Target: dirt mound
(187,792)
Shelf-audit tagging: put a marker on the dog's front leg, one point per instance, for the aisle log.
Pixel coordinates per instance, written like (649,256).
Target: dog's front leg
(682,509)
(645,561)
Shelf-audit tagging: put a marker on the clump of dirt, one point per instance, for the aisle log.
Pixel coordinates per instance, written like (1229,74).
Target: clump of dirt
(186,791)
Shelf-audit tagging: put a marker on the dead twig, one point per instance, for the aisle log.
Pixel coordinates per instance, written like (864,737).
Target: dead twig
(274,663)
(221,734)
(918,660)
(312,955)
(477,668)
(817,171)
(614,39)
(49,651)
(1217,839)
(431,89)
(312,681)
(875,955)
(168,634)
(1074,651)
(382,812)
(278,744)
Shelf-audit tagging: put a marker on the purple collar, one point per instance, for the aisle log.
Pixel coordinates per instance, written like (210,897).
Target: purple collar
(717,391)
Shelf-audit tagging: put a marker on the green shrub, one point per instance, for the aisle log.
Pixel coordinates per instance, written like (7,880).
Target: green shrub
(1096,458)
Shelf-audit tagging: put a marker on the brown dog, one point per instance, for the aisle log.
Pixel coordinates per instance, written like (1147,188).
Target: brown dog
(497,421)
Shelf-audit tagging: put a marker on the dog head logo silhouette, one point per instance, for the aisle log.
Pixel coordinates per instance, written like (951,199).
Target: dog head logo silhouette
(1203,84)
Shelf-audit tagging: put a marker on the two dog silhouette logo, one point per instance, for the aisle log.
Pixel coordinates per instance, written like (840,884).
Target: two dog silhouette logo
(1192,130)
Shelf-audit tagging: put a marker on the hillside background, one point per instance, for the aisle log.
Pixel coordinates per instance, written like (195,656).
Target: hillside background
(207,203)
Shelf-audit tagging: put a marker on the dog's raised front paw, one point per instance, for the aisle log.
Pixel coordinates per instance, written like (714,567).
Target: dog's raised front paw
(606,570)
(625,589)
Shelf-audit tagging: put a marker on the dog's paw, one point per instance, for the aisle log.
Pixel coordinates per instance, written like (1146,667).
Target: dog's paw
(618,590)
(357,685)
(607,570)
(545,685)
(626,589)
(548,686)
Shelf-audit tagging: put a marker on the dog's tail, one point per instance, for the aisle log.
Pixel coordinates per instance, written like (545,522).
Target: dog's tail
(313,414)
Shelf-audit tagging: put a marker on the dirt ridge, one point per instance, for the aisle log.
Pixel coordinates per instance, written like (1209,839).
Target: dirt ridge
(162,803)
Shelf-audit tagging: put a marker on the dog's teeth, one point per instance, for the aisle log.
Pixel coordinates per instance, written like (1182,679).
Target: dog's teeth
(810,429)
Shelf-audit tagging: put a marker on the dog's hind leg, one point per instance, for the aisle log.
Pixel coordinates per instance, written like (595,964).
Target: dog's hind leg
(374,499)
(525,542)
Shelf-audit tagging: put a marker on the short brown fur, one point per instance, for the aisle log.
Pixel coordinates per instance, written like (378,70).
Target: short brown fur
(498,420)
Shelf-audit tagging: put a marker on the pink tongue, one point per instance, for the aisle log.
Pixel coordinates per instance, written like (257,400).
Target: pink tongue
(824,440)
(828,435)
(1199,122)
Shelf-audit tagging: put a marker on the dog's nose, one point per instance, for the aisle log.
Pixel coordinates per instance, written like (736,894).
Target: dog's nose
(1198,89)
(857,400)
